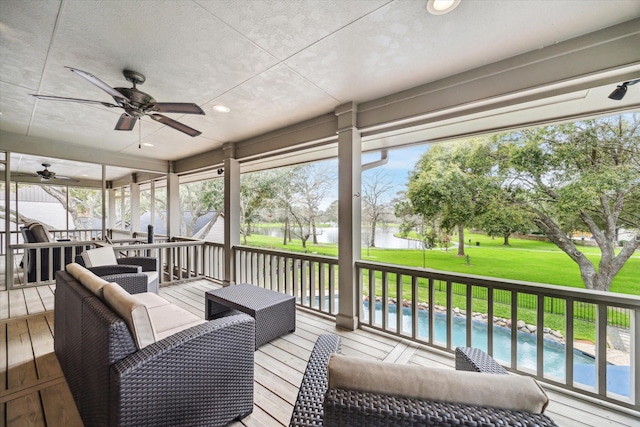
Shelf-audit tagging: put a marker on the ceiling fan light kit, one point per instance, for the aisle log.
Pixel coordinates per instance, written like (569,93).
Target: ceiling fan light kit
(135,103)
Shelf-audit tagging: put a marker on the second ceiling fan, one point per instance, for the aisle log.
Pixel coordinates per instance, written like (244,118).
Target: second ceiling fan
(135,103)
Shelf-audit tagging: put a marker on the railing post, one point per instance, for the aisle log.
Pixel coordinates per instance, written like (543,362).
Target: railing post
(634,323)
(349,170)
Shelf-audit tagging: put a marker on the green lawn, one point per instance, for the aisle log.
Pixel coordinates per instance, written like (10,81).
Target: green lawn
(526,260)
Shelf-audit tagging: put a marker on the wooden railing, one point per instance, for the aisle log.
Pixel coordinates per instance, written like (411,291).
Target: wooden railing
(311,279)
(406,302)
(180,260)
(42,260)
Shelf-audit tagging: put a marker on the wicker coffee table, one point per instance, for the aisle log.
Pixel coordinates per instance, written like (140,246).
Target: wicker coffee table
(275,313)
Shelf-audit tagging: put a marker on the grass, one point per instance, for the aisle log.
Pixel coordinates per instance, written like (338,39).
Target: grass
(525,260)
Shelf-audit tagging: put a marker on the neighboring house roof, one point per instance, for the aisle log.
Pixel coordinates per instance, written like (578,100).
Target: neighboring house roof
(216,232)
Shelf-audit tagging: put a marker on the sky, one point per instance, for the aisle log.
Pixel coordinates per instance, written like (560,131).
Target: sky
(400,163)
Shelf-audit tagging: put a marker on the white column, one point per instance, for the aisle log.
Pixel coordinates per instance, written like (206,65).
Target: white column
(8,259)
(134,194)
(349,202)
(231,210)
(173,205)
(112,208)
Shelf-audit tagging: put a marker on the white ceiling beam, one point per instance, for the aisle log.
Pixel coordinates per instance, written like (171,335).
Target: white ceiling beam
(575,64)
(47,147)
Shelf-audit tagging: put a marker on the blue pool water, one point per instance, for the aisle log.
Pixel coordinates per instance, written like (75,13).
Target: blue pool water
(618,377)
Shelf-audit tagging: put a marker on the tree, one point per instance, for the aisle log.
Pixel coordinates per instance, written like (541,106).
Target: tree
(200,198)
(426,229)
(310,184)
(257,190)
(450,183)
(584,174)
(501,218)
(376,188)
(84,203)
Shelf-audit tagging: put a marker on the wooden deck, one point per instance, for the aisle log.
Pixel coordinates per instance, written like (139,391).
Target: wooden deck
(33,391)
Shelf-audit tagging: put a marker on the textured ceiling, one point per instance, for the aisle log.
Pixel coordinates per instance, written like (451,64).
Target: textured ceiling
(274,63)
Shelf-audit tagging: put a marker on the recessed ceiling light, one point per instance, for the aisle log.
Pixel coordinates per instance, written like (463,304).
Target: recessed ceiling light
(147,144)
(221,108)
(440,7)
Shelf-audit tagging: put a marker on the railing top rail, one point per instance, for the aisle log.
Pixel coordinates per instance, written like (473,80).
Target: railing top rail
(159,245)
(53,244)
(297,255)
(216,244)
(547,290)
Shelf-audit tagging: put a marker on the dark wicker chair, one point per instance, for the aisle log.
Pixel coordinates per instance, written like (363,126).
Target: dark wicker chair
(128,266)
(317,405)
(202,375)
(35,233)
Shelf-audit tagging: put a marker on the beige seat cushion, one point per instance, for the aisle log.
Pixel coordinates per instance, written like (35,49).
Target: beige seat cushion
(169,319)
(133,312)
(150,300)
(89,280)
(499,391)
(99,256)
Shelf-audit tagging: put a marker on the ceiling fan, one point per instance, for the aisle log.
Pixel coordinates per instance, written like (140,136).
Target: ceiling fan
(135,103)
(46,174)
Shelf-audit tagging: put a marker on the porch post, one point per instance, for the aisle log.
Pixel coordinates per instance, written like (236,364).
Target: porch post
(349,169)
(173,205)
(231,210)
(8,258)
(112,208)
(134,194)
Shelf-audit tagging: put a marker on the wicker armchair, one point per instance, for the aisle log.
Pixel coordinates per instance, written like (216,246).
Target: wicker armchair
(317,405)
(200,376)
(146,265)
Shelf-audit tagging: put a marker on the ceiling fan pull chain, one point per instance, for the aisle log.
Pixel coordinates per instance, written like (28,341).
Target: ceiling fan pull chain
(139,133)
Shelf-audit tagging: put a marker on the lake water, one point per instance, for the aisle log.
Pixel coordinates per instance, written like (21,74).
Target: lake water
(384,237)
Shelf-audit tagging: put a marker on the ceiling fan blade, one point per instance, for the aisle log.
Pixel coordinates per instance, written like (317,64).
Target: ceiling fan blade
(126,122)
(66,178)
(96,81)
(176,107)
(85,101)
(175,124)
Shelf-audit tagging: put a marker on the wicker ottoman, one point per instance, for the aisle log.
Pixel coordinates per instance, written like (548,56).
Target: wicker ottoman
(275,313)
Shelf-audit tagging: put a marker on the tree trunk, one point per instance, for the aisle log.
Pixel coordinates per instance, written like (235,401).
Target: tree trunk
(610,264)
(460,240)
(373,233)
(506,240)
(286,228)
(314,232)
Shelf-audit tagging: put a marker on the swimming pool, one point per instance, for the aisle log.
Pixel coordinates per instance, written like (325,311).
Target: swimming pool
(584,372)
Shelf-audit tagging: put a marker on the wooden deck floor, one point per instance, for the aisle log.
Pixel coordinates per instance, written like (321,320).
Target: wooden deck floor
(33,391)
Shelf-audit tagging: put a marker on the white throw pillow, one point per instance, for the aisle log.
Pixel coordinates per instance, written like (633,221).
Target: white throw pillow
(518,393)
(99,256)
(132,311)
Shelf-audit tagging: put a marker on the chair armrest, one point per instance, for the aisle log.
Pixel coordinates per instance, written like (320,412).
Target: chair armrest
(134,283)
(360,409)
(308,408)
(202,375)
(104,270)
(476,360)
(147,263)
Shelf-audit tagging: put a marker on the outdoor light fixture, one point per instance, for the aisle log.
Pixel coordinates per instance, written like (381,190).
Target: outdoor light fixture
(621,90)
(440,7)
